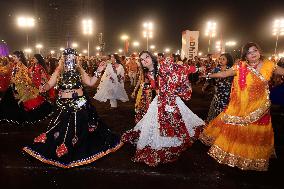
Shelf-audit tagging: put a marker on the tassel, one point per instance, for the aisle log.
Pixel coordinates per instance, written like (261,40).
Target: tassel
(41,138)
(61,150)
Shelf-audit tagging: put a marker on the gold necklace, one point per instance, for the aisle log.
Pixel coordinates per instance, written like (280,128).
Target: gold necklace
(254,65)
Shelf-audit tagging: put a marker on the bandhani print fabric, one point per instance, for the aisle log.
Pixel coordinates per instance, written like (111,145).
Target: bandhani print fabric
(242,135)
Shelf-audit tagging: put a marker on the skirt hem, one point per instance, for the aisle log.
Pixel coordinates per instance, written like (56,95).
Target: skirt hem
(74,163)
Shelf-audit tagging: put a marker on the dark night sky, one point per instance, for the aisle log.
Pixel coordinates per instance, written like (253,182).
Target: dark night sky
(239,20)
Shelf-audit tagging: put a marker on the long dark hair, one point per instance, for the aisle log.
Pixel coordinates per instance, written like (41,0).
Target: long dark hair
(246,47)
(21,56)
(117,58)
(155,64)
(52,65)
(230,59)
(41,61)
(145,70)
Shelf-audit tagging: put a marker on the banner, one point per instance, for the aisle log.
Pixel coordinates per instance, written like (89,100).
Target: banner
(126,46)
(189,41)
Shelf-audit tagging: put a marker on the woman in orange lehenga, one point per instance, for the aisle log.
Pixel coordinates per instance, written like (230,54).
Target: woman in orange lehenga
(242,135)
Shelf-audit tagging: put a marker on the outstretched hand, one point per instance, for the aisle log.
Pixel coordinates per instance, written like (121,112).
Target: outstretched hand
(101,67)
(41,90)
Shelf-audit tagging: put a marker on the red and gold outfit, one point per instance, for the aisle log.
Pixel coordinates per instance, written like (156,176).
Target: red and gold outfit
(23,85)
(242,134)
(40,77)
(5,76)
(145,95)
(21,102)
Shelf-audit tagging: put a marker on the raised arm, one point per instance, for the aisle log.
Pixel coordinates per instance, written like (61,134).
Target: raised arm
(53,79)
(86,78)
(90,81)
(223,74)
(279,70)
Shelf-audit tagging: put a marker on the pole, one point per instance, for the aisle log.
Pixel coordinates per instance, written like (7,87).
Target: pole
(209,45)
(27,40)
(221,43)
(275,51)
(124,48)
(68,40)
(147,38)
(88,47)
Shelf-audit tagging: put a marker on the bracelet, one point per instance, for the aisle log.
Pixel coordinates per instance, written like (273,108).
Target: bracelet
(207,76)
(97,74)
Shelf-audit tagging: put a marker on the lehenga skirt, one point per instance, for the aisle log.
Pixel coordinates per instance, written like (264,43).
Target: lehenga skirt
(248,147)
(13,112)
(154,149)
(75,136)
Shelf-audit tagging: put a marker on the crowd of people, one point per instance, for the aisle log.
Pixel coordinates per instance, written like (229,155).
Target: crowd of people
(238,127)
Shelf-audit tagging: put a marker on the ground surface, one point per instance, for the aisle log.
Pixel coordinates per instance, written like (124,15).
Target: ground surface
(194,169)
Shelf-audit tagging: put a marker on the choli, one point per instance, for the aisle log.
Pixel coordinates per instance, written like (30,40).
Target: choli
(69,80)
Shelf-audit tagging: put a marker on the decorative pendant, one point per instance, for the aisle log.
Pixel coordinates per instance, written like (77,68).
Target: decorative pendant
(41,138)
(61,150)
(74,140)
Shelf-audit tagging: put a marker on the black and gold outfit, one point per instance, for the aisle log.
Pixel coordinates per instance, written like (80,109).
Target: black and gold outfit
(75,135)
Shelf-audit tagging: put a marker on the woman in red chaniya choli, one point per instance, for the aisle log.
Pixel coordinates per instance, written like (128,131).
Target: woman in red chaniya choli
(169,127)
(39,76)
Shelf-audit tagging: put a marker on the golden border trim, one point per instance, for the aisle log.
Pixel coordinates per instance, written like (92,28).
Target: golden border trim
(255,115)
(245,120)
(207,140)
(74,163)
(232,160)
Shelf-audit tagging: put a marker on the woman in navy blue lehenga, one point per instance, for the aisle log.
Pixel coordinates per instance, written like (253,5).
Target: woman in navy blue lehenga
(222,87)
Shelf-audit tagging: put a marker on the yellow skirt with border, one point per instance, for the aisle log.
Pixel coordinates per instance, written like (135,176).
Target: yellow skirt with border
(247,147)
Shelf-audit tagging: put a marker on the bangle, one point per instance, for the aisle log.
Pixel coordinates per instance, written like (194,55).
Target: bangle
(207,76)
(97,74)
